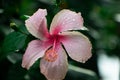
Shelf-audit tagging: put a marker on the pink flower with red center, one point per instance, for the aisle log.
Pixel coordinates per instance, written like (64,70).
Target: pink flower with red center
(49,45)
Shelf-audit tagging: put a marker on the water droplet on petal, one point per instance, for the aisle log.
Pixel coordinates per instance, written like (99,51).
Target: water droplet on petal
(63,23)
(73,19)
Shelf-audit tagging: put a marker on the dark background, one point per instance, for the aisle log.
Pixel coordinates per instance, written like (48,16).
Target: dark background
(101,17)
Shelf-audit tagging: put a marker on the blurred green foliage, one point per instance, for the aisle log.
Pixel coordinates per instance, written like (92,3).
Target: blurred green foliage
(101,17)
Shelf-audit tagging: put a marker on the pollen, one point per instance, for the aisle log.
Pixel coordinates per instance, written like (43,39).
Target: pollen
(50,55)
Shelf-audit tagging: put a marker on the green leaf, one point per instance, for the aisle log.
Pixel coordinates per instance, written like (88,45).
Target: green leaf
(18,26)
(13,43)
(16,72)
(51,2)
(77,73)
(14,57)
(58,1)
(24,17)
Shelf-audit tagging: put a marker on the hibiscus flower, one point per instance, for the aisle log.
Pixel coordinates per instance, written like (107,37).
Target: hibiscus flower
(52,46)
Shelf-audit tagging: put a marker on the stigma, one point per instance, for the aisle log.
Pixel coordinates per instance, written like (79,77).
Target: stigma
(50,55)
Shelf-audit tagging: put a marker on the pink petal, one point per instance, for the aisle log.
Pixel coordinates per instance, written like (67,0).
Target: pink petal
(55,70)
(35,50)
(77,45)
(66,20)
(36,24)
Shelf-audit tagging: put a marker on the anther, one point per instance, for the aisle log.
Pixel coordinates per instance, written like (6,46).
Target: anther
(50,55)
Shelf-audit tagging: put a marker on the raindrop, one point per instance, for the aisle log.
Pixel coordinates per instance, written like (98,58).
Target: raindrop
(73,19)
